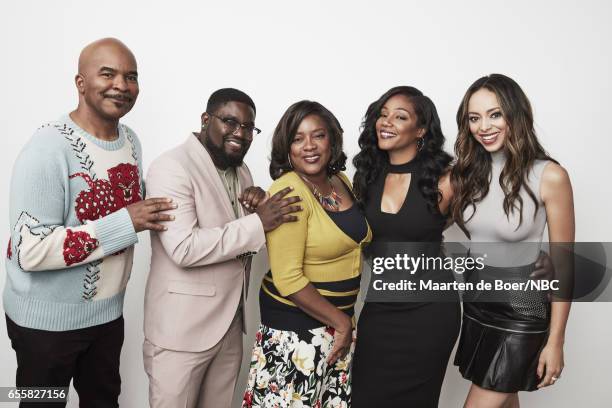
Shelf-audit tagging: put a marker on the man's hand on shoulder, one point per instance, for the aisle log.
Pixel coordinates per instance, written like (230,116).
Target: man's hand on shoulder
(252,197)
(277,210)
(147,214)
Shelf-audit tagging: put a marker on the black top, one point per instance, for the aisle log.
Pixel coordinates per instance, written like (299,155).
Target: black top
(413,222)
(396,234)
(351,222)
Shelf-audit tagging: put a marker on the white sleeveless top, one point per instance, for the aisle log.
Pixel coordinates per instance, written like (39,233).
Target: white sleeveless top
(490,223)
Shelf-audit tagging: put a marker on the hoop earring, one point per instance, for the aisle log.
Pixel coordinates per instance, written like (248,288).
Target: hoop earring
(420,144)
(289,160)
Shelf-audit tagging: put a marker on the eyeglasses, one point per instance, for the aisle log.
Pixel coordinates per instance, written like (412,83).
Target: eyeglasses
(233,125)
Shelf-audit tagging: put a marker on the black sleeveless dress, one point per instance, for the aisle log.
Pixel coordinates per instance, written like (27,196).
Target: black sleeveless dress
(402,349)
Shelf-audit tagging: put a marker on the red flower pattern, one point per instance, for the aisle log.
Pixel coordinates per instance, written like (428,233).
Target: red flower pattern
(273,387)
(107,196)
(248,399)
(9,250)
(77,246)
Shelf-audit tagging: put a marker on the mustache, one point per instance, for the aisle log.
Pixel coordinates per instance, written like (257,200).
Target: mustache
(119,97)
(244,143)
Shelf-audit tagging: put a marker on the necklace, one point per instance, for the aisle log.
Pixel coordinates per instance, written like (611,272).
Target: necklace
(330,201)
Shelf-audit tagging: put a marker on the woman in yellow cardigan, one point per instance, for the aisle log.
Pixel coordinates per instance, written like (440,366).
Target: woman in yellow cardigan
(304,346)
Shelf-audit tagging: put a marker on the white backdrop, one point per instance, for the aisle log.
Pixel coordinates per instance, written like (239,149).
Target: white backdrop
(344,55)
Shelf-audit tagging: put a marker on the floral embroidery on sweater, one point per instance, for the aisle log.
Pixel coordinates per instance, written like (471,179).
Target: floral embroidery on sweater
(77,246)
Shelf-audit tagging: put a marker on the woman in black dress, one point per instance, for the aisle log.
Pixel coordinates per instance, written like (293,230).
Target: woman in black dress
(403,348)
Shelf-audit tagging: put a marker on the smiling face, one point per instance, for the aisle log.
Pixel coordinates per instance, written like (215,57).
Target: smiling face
(108,80)
(486,120)
(226,145)
(397,127)
(310,150)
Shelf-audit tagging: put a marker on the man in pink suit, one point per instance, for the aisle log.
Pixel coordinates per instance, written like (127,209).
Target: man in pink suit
(200,265)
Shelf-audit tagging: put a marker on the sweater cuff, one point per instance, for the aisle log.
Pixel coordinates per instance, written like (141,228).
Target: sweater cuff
(116,231)
(295,285)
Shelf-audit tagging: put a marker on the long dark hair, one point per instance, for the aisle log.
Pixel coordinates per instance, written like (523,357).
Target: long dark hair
(370,162)
(287,128)
(471,174)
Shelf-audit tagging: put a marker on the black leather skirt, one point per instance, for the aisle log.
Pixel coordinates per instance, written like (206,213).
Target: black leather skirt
(503,333)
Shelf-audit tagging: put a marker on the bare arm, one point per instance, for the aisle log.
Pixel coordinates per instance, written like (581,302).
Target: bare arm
(310,301)
(556,192)
(446,189)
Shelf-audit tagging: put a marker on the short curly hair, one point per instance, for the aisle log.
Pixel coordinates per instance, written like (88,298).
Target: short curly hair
(287,128)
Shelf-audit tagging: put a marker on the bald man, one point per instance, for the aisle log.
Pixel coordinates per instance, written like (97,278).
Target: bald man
(76,205)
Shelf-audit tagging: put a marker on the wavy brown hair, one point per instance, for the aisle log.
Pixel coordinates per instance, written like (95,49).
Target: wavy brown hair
(287,128)
(471,175)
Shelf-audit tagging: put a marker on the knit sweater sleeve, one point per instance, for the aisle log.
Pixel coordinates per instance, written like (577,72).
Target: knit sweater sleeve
(40,199)
(287,243)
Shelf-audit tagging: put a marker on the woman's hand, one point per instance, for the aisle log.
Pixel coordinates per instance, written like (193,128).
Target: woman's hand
(550,364)
(544,268)
(343,337)
(310,301)
(252,196)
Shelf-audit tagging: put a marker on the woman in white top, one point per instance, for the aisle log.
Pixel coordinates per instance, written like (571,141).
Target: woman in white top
(506,189)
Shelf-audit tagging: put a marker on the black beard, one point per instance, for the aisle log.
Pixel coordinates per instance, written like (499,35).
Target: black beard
(220,157)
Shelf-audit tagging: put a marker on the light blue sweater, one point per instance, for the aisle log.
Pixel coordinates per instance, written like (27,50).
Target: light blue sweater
(71,238)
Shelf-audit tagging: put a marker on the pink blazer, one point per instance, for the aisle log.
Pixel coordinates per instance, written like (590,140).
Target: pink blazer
(200,265)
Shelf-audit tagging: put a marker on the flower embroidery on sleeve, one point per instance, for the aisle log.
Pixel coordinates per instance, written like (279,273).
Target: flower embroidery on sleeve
(77,246)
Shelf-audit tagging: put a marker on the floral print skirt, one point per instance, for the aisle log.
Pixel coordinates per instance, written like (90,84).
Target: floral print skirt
(289,370)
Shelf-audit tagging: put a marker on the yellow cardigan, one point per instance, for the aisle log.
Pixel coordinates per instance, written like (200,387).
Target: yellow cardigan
(313,248)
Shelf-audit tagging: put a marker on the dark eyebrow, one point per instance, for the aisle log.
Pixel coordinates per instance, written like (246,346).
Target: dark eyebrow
(113,70)
(236,119)
(405,110)
(489,111)
(312,131)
